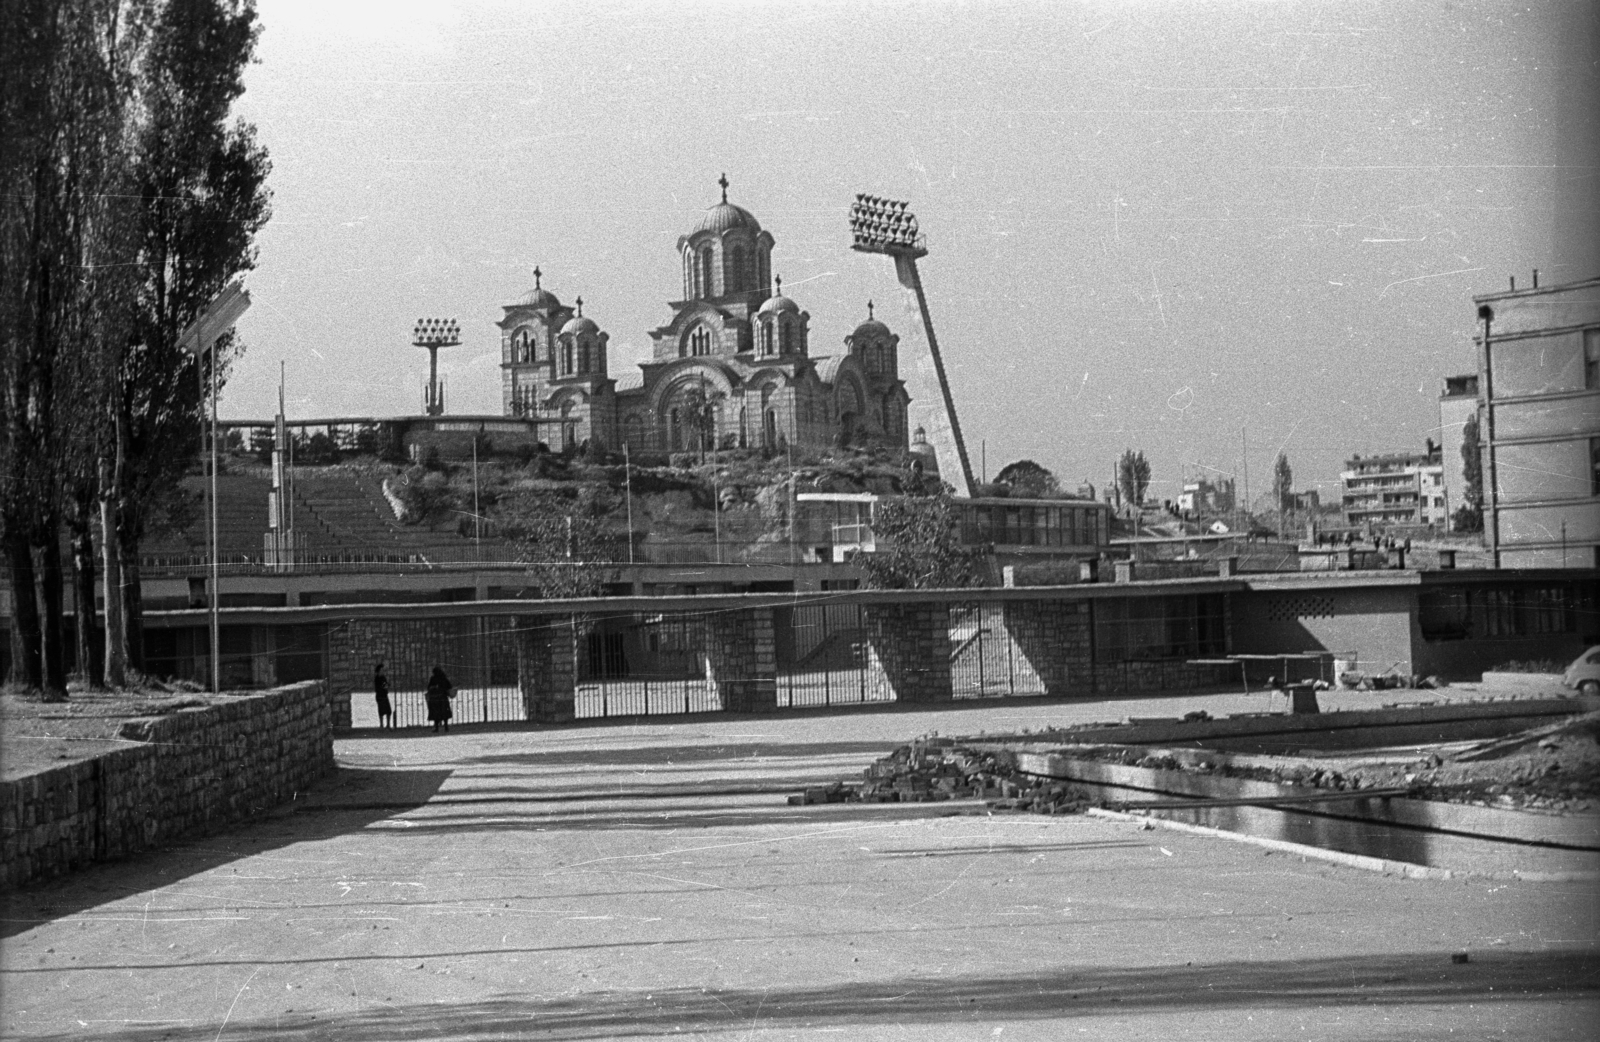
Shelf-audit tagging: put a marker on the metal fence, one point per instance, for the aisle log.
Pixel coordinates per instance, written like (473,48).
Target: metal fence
(822,658)
(984,662)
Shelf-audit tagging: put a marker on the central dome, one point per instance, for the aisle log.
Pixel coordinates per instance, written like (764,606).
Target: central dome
(725,216)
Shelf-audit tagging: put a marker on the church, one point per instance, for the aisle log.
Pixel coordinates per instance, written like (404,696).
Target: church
(731,368)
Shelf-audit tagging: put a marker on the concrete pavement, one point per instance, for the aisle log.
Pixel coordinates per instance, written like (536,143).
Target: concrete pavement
(641,880)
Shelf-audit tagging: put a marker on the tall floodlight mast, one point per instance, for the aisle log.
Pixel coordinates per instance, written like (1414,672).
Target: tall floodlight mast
(434,333)
(886,226)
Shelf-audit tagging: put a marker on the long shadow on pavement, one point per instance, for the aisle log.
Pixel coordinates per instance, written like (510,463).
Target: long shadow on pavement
(1393,980)
(50,899)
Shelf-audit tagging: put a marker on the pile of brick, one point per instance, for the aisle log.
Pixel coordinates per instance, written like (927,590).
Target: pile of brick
(934,768)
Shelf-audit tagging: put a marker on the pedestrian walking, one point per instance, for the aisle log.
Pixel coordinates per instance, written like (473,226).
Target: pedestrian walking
(380,690)
(439,695)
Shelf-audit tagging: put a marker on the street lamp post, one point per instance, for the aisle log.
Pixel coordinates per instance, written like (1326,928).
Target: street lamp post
(214,321)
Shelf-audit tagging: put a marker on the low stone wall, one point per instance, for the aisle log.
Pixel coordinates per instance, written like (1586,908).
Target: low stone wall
(181,775)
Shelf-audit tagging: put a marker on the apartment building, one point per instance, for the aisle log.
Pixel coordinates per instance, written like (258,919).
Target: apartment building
(1539,378)
(1398,489)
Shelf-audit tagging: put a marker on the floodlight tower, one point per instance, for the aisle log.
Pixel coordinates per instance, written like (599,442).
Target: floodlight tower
(886,226)
(434,333)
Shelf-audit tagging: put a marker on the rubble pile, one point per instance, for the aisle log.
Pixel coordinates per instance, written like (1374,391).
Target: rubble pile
(934,768)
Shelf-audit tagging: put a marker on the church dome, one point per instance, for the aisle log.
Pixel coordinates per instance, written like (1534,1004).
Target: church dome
(539,298)
(580,324)
(773,305)
(725,216)
(871,327)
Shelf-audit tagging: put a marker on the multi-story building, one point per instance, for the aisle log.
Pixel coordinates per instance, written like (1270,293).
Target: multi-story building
(1457,404)
(1394,490)
(1539,377)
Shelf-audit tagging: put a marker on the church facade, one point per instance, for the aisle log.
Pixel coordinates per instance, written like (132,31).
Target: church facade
(731,368)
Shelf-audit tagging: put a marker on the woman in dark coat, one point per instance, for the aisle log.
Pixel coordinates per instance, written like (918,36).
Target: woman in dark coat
(380,688)
(439,695)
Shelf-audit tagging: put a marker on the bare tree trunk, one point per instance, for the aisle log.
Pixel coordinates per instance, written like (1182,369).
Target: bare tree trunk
(116,640)
(90,662)
(27,665)
(132,606)
(51,580)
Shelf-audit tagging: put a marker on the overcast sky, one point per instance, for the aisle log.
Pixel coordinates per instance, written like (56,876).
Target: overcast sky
(1175,227)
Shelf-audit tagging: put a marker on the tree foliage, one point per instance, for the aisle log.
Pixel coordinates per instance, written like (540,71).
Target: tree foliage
(1133,476)
(919,547)
(1028,480)
(568,546)
(126,202)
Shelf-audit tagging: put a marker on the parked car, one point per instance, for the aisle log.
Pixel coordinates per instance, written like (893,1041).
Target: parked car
(1584,673)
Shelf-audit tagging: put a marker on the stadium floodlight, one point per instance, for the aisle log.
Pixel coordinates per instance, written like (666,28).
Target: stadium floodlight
(434,333)
(887,226)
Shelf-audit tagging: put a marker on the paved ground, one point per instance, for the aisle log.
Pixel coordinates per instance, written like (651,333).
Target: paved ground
(635,881)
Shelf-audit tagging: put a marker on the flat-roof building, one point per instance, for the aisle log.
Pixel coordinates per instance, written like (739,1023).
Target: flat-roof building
(1539,379)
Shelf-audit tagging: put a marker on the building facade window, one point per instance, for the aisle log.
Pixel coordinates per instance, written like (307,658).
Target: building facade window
(700,342)
(1591,359)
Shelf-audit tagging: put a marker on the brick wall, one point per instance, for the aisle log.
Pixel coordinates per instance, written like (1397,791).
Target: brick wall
(182,775)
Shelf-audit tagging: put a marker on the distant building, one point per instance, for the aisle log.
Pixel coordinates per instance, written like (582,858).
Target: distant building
(1457,404)
(1395,489)
(1207,496)
(1309,501)
(1539,378)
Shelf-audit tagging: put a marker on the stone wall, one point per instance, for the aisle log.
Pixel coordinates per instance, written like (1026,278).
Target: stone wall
(181,775)
(1055,642)
(547,667)
(740,660)
(909,650)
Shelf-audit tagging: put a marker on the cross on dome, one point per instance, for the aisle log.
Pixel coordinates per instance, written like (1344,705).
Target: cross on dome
(779,280)
(869,311)
(536,274)
(723,181)
(579,302)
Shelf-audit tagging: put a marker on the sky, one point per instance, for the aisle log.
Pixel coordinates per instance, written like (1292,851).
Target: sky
(1212,232)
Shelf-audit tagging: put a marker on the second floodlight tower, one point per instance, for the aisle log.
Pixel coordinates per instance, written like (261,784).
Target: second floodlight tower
(434,333)
(886,226)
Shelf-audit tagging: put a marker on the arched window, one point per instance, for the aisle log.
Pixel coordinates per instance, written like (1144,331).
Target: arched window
(743,421)
(566,358)
(766,338)
(520,350)
(700,341)
(785,337)
(674,430)
(769,429)
(708,286)
(688,275)
(737,281)
(583,356)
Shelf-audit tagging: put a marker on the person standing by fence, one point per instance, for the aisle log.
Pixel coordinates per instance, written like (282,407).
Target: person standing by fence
(439,695)
(380,689)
